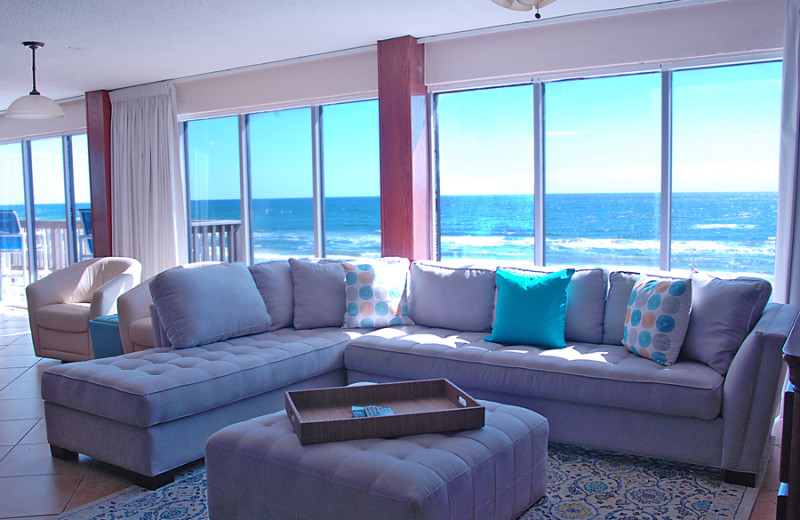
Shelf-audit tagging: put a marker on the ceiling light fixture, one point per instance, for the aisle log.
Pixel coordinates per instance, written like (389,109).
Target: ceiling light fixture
(524,5)
(34,105)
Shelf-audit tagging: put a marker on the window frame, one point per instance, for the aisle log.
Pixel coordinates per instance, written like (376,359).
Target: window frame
(245,172)
(539,83)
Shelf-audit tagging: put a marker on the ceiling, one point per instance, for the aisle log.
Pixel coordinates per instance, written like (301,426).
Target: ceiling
(108,44)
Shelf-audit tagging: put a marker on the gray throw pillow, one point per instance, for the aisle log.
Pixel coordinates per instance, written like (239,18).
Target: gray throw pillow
(207,304)
(586,304)
(451,298)
(319,294)
(274,282)
(620,285)
(723,314)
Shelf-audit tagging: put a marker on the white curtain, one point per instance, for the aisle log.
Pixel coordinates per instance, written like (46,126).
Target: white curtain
(147,187)
(787,247)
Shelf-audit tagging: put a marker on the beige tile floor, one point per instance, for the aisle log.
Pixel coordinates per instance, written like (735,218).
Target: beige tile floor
(33,485)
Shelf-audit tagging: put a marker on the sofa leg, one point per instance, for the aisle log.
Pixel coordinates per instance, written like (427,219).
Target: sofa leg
(740,478)
(154,482)
(61,453)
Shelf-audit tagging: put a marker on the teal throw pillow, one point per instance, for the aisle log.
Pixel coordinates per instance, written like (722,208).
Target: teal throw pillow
(531,310)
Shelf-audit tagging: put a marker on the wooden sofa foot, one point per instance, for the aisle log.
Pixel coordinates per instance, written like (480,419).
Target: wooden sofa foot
(61,453)
(740,478)
(154,482)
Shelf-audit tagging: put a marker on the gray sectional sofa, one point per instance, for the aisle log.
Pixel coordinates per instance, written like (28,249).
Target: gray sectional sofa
(231,340)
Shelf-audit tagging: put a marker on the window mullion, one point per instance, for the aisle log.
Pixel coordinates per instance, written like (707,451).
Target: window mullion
(30,217)
(319,186)
(69,198)
(666,170)
(246,231)
(538,174)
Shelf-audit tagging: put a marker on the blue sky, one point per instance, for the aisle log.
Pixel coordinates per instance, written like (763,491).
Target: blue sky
(48,171)
(281,153)
(602,135)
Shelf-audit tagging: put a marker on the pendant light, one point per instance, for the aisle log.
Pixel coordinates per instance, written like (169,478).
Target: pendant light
(524,5)
(34,105)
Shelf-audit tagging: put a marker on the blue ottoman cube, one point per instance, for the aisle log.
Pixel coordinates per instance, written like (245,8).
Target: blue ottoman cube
(104,331)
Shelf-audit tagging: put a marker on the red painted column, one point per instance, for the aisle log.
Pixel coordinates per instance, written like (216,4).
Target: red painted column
(405,172)
(98,129)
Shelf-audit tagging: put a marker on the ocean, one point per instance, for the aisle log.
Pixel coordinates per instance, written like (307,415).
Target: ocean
(729,232)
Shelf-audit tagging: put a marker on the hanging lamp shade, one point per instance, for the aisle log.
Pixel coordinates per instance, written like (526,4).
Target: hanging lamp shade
(34,105)
(523,5)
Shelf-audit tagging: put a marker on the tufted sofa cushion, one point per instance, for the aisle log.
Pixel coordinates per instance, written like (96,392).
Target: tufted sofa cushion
(603,375)
(159,385)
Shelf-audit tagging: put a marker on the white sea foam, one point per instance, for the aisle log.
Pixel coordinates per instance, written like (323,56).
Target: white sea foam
(724,226)
(618,245)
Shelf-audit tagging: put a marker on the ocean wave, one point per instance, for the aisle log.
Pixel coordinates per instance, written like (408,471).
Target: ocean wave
(607,244)
(723,226)
(587,246)
(487,241)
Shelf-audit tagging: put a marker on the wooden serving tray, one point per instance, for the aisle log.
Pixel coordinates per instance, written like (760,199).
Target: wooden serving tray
(427,406)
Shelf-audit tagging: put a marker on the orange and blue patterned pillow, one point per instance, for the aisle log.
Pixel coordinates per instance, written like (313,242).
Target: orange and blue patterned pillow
(657,318)
(375,294)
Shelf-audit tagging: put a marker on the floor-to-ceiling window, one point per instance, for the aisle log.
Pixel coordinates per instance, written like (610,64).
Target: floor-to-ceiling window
(215,212)
(82,196)
(603,170)
(351,173)
(311,178)
(50,203)
(725,163)
(38,217)
(675,169)
(282,178)
(13,260)
(485,159)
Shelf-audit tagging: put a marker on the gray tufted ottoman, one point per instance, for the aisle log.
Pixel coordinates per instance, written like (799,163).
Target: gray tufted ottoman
(258,469)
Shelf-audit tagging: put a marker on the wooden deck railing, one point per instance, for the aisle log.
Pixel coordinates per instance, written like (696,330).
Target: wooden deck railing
(51,247)
(218,240)
(211,240)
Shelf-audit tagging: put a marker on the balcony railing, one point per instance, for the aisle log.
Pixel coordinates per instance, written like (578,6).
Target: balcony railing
(52,253)
(217,240)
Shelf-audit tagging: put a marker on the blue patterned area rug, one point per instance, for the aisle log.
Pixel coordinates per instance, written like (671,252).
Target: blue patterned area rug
(583,484)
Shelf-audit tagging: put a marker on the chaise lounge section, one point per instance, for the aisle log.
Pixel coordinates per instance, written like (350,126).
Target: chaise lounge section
(151,411)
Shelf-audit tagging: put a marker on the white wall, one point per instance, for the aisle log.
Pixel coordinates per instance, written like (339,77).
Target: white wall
(666,35)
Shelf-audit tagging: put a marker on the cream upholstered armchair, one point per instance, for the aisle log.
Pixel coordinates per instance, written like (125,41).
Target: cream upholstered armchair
(135,327)
(61,304)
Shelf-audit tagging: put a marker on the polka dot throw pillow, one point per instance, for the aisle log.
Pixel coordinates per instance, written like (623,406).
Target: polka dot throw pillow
(657,318)
(375,295)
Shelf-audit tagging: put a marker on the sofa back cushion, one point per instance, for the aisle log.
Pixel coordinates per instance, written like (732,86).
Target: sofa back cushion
(586,303)
(319,294)
(620,285)
(723,313)
(456,298)
(207,304)
(274,282)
